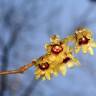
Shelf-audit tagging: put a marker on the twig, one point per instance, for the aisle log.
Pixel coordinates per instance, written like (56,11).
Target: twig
(20,70)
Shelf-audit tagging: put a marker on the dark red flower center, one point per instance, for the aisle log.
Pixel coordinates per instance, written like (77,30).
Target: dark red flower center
(56,49)
(44,66)
(83,41)
(66,59)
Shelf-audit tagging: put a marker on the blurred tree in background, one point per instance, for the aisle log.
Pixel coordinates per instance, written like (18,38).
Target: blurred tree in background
(93,1)
(25,26)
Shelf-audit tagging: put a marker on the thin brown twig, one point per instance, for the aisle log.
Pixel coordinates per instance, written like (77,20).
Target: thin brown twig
(22,69)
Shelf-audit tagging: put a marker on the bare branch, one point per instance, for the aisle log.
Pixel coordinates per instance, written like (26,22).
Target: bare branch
(20,70)
(15,28)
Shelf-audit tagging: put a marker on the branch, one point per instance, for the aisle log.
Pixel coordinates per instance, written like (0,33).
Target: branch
(1,42)
(20,70)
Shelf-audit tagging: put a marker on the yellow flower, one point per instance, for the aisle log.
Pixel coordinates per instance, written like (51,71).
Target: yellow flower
(58,58)
(61,54)
(83,40)
(68,61)
(44,67)
(55,46)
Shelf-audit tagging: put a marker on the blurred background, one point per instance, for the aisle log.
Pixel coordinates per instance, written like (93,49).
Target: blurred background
(25,26)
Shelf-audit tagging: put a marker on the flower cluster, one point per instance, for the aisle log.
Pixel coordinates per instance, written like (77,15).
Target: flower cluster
(59,55)
(84,40)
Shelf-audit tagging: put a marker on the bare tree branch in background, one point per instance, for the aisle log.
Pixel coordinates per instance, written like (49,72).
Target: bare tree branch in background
(6,51)
(4,66)
(93,1)
(15,29)
(1,42)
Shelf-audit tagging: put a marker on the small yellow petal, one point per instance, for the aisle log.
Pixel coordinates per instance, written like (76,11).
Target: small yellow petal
(84,48)
(47,75)
(77,49)
(63,70)
(46,46)
(37,77)
(43,78)
(55,73)
(37,71)
(70,55)
(70,64)
(91,51)
(76,61)
(54,38)
(94,44)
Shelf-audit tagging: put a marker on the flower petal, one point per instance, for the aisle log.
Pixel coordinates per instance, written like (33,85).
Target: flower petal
(55,73)
(37,76)
(76,61)
(63,70)
(46,46)
(37,71)
(70,64)
(93,44)
(91,51)
(47,75)
(84,48)
(54,38)
(43,78)
(77,49)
